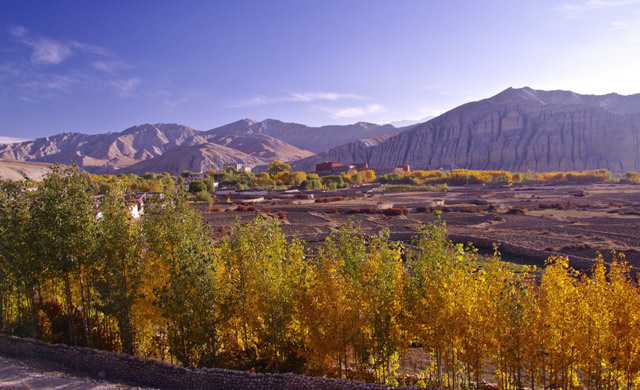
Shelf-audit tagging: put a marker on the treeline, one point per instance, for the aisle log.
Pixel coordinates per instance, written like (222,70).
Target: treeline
(201,185)
(467,176)
(162,288)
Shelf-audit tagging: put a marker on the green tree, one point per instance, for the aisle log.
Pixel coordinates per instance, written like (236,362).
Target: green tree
(20,269)
(180,243)
(197,186)
(65,216)
(118,271)
(277,166)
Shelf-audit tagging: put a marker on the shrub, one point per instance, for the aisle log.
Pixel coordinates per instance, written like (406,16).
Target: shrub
(282,215)
(555,205)
(204,196)
(630,177)
(312,184)
(518,210)
(197,186)
(330,199)
(415,188)
(393,211)
(423,209)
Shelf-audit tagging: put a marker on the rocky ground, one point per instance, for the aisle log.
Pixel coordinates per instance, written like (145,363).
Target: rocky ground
(19,375)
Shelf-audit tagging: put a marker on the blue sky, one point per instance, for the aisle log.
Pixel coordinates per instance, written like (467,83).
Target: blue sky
(99,66)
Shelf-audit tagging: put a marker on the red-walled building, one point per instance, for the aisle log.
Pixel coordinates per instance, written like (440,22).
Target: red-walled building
(328,166)
(359,166)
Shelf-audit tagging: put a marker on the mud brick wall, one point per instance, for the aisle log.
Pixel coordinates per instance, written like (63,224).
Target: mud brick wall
(144,372)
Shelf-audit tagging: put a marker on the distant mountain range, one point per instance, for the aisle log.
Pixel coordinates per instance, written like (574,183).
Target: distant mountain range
(517,130)
(173,148)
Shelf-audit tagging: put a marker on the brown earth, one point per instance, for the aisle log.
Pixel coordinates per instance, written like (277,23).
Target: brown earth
(576,219)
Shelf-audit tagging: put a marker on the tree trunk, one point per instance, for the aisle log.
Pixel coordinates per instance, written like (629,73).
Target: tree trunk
(126,339)
(275,361)
(85,322)
(72,325)
(533,380)
(1,313)
(35,329)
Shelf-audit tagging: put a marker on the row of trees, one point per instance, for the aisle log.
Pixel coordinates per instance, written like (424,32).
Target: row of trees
(161,288)
(467,176)
(280,175)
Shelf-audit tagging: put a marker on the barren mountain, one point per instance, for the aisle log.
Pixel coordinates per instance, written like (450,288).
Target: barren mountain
(19,170)
(101,152)
(141,147)
(315,139)
(259,145)
(353,152)
(195,158)
(516,130)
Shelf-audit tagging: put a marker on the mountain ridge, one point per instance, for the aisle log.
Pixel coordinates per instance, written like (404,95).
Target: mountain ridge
(245,141)
(517,129)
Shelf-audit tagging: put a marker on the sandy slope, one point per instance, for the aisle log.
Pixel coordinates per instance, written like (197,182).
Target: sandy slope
(18,170)
(17,375)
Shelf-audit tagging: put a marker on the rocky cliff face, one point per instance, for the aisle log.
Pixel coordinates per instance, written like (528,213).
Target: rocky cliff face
(517,130)
(353,152)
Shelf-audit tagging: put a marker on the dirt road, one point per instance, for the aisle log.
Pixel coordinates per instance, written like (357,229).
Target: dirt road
(17,375)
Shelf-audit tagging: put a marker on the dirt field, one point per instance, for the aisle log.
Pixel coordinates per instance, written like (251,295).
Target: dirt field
(577,219)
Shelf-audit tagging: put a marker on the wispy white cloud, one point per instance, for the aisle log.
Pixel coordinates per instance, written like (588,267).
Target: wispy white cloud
(34,79)
(51,82)
(125,87)
(626,25)
(11,140)
(295,97)
(111,66)
(315,96)
(588,5)
(50,51)
(18,31)
(353,111)
(581,9)
(173,100)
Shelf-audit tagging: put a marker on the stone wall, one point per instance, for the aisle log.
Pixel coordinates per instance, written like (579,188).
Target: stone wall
(144,372)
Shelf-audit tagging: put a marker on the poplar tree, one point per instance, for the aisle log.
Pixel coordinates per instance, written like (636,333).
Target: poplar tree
(179,243)
(65,216)
(118,271)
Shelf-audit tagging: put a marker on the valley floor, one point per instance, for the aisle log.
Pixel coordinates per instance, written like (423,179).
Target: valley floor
(573,219)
